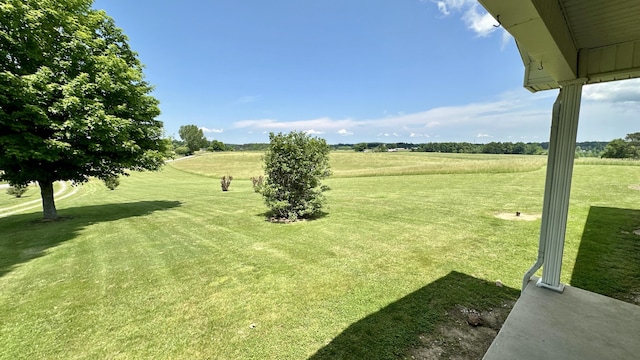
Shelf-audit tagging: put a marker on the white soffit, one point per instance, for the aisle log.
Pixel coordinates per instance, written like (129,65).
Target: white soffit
(560,40)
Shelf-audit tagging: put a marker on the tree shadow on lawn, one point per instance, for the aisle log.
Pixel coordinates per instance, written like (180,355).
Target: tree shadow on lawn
(608,260)
(25,237)
(268,216)
(393,331)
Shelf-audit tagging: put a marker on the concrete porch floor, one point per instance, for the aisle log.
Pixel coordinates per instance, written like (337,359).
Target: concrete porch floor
(576,324)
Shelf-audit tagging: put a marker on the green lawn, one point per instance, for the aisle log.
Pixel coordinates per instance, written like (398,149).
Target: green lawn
(169,266)
(10,204)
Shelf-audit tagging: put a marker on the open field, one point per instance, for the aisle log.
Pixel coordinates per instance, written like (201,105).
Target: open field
(349,164)
(169,266)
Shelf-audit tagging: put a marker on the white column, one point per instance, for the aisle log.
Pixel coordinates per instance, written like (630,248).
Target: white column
(562,147)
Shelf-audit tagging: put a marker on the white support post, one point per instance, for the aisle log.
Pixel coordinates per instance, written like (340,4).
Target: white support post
(562,147)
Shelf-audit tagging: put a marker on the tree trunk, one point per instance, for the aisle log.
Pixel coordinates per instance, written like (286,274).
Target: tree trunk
(48,204)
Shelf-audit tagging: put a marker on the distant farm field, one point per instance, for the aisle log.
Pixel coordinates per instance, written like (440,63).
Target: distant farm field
(350,164)
(168,266)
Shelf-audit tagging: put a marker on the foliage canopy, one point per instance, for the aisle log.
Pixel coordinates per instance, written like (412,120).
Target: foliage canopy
(294,164)
(73,99)
(627,148)
(193,137)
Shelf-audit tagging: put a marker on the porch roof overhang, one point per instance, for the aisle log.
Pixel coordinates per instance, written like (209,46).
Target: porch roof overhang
(563,40)
(566,44)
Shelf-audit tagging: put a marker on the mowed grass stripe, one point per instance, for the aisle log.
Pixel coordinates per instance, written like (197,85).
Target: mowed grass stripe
(169,266)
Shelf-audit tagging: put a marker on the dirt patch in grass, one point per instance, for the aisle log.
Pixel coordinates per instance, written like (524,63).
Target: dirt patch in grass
(634,297)
(634,187)
(518,216)
(466,336)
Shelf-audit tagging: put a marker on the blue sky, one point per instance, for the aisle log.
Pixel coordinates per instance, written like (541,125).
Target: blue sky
(349,71)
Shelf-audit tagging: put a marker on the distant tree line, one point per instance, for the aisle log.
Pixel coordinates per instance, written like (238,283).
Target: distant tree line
(583,149)
(489,148)
(250,147)
(180,147)
(192,139)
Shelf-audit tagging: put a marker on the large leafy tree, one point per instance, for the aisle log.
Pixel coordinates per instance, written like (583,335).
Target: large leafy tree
(617,149)
(634,144)
(295,164)
(73,100)
(629,147)
(193,137)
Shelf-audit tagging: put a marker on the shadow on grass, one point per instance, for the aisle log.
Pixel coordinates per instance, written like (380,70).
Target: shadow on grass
(24,237)
(268,216)
(608,260)
(390,332)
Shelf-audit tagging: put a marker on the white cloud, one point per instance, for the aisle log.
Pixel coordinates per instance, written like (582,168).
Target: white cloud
(614,92)
(314,132)
(473,15)
(415,135)
(510,113)
(446,6)
(480,21)
(207,130)
(442,6)
(322,124)
(605,115)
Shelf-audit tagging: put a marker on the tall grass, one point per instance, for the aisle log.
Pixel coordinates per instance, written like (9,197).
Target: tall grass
(601,161)
(241,165)
(352,164)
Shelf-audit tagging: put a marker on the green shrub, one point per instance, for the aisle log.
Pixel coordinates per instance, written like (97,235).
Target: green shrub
(294,164)
(112,182)
(17,190)
(225,182)
(257,183)
(183,151)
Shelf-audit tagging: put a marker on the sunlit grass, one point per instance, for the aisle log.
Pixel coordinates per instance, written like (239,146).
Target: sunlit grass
(351,164)
(601,161)
(8,200)
(32,194)
(240,165)
(417,163)
(169,266)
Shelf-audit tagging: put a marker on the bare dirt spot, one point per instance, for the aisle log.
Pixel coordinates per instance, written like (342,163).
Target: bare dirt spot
(518,216)
(634,297)
(634,187)
(636,231)
(466,336)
